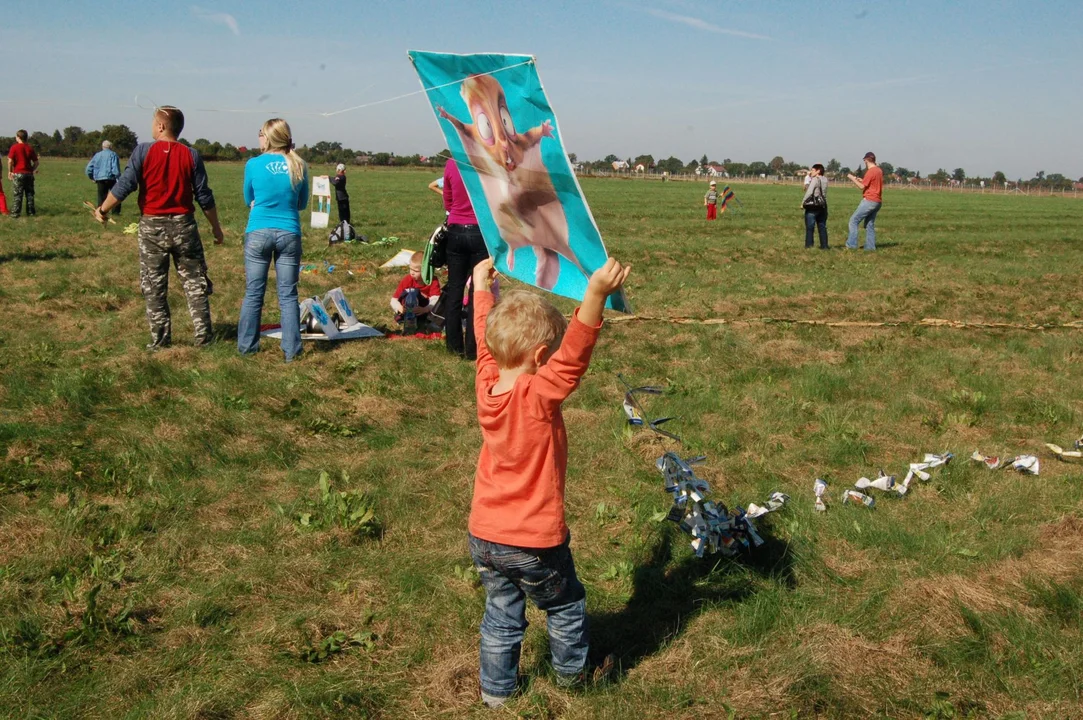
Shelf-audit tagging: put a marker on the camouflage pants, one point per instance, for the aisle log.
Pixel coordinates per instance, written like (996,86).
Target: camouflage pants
(173,236)
(22,184)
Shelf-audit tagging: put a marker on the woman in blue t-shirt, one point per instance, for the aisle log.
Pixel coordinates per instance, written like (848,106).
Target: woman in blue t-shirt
(276,190)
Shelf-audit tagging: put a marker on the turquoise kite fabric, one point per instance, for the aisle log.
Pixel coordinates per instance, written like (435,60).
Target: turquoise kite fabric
(506,140)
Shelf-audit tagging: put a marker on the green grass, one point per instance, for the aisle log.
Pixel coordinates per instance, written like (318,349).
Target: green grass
(166,549)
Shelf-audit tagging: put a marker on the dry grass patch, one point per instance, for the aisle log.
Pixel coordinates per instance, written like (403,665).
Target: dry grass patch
(864,673)
(448,683)
(931,605)
(846,561)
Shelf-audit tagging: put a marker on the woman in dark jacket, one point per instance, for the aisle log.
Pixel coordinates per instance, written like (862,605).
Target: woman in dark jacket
(465,249)
(816,215)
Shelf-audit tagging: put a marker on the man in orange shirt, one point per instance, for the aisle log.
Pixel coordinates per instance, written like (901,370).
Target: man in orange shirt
(872,189)
(530,359)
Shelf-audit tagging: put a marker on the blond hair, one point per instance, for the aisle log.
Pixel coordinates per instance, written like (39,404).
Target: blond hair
(519,323)
(417,257)
(172,118)
(276,132)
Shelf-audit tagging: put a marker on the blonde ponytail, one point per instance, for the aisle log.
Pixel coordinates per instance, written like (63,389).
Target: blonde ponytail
(276,132)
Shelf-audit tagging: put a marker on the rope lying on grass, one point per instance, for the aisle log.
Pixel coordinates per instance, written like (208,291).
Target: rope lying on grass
(924,322)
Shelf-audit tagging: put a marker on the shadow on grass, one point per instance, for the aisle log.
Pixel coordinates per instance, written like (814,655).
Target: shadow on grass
(39,256)
(665,597)
(225,332)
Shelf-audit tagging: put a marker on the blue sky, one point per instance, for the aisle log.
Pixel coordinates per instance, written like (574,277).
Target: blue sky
(989,85)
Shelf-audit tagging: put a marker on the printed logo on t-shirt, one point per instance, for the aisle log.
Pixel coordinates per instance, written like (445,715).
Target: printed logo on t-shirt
(278,168)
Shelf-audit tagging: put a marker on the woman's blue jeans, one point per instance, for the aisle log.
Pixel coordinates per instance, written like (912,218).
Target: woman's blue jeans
(816,220)
(511,575)
(261,248)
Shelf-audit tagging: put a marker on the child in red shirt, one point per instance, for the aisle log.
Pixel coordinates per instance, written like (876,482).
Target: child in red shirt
(530,359)
(411,290)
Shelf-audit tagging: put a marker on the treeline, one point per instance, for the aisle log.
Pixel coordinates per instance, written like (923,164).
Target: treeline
(73,141)
(780,167)
(76,142)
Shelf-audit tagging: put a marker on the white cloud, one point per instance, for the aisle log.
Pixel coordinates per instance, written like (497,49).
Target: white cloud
(703,25)
(217,18)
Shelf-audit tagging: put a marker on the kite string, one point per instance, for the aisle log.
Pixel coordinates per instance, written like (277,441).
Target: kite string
(423,90)
(924,322)
(349,109)
(307,113)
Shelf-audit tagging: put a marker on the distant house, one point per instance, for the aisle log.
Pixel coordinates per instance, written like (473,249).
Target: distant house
(362,160)
(620,165)
(715,170)
(1077,186)
(640,168)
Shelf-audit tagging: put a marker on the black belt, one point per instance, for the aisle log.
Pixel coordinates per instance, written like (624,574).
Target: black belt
(464,227)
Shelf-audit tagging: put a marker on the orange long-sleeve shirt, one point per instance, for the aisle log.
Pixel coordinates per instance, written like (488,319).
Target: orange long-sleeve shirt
(519,483)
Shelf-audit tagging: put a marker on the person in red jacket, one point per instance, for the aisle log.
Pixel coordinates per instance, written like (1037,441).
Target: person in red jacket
(171,179)
(22,166)
(530,359)
(412,294)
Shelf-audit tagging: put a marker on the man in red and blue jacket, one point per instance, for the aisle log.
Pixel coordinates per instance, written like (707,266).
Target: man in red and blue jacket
(171,178)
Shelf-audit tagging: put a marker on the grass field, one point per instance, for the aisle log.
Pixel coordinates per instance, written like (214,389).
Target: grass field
(166,550)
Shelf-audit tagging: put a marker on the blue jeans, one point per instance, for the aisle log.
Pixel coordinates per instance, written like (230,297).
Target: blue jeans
(816,220)
(865,211)
(547,576)
(261,247)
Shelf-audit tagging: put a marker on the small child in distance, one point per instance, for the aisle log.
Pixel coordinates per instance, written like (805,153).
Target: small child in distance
(710,201)
(411,290)
(530,359)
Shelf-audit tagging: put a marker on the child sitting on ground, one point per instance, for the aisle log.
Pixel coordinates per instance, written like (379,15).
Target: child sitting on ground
(413,296)
(529,360)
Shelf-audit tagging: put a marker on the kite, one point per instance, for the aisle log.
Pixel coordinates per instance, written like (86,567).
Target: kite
(505,139)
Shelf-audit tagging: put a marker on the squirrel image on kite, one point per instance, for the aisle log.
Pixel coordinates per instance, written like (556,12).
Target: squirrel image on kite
(516,183)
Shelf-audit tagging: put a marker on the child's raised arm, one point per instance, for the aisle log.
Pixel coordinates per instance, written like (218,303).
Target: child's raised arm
(605,281)
(484,275)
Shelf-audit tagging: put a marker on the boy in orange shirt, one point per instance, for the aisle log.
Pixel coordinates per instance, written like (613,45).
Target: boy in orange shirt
(530,359)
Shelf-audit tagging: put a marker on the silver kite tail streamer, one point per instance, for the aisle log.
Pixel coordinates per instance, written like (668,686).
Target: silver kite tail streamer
(1066,455)
(712,526)
(853,497)
(633,409)
(819,487)
(992,462)
(882,482)
(1063,454)
(918,470)
(1026,464)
